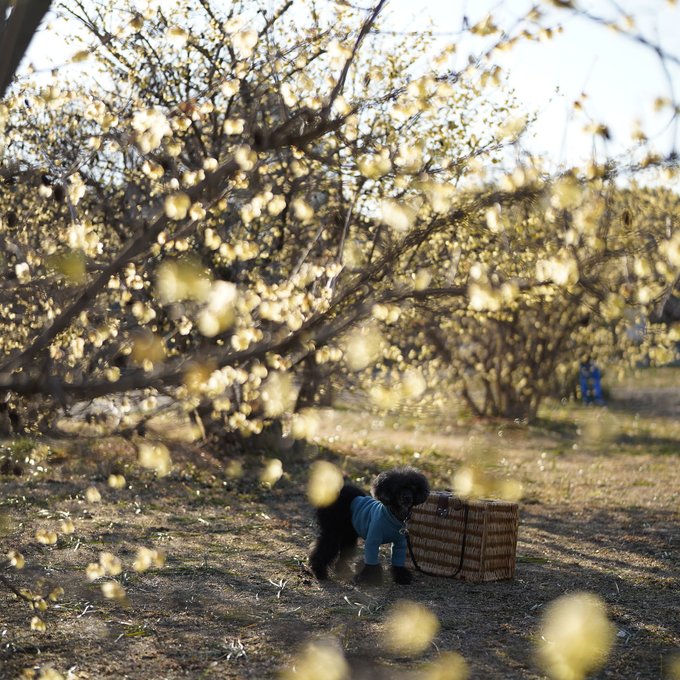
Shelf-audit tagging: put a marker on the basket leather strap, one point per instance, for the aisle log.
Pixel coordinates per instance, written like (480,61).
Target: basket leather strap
(466,510)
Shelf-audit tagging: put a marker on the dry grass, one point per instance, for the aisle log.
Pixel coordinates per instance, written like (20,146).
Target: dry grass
(234,600)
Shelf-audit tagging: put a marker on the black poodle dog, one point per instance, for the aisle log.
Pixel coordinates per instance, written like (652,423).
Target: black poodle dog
(380,518)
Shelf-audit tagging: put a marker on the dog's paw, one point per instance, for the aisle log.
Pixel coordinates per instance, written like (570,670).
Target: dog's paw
(319,571)
(402,576)
(370,574)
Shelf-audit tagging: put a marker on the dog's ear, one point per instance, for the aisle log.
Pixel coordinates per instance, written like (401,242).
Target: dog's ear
(384,486)
(421,490)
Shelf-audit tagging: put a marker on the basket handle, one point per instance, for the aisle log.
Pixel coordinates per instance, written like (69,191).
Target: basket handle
(460,505)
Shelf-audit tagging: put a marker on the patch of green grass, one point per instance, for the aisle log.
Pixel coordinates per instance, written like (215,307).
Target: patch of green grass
(22,447)
(531,559)
(136,631)
(554,424)
(665,376)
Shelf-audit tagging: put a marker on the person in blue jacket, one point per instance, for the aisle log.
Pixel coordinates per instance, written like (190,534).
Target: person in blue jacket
(590,382)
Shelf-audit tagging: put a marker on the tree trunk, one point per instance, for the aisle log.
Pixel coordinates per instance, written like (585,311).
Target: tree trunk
(16,32)
(316,388)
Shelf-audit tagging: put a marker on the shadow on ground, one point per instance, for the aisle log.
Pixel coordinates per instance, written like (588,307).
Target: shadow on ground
(235,599)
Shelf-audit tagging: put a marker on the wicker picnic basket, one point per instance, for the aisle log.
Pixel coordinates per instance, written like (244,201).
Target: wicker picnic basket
(473,540)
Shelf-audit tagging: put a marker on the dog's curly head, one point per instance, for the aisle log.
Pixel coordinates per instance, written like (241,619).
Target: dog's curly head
(400,489)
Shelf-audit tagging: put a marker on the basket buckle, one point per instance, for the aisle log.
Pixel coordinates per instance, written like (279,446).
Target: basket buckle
(444,501)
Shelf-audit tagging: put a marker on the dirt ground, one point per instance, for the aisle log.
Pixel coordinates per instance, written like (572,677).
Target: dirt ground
(599,513)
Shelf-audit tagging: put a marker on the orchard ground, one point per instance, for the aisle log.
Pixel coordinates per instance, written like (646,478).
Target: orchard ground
(600,512)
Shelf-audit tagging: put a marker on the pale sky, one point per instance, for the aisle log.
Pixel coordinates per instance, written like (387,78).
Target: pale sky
(622,78)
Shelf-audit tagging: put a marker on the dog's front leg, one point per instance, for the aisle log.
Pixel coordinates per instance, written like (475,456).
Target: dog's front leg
(370,574)
(402,576)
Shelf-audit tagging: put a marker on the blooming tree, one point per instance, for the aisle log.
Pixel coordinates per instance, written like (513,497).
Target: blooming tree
(228,205)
